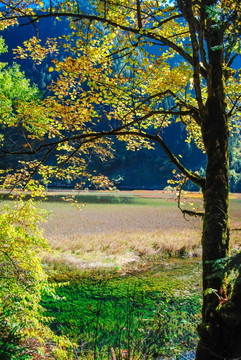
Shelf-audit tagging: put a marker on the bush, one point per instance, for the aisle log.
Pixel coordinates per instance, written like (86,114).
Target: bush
(22,282)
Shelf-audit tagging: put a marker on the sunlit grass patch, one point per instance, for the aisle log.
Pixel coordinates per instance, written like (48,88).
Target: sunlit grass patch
(124,235)
(111,235)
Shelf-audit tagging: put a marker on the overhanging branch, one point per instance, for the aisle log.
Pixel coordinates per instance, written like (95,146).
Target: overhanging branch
(142,32)
(195,178)
(120,132)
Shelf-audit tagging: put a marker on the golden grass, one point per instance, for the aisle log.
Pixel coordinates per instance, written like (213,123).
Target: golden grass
(125,235)
(112,236)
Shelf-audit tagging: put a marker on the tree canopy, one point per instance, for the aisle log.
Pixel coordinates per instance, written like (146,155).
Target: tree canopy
(128,69)
(129,76)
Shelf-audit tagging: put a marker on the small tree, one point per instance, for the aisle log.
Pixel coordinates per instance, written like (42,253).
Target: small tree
(23,334)
(23,280)
(112,77)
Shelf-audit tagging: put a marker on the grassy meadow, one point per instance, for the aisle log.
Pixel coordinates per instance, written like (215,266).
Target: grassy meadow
(126,234)
(129,265)
(125,231)
(126,268)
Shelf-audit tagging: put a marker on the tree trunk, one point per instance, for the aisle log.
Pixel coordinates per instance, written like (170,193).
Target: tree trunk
(215,238)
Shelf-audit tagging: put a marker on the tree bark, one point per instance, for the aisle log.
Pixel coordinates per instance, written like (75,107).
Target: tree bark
(215,237)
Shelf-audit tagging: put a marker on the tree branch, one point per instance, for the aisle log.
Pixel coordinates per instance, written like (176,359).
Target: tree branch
(184,211)
(195,178)
(186,8)
(119,132)
(138,12)
(143,32)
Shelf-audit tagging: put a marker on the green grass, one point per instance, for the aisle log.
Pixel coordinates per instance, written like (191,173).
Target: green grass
(154,313)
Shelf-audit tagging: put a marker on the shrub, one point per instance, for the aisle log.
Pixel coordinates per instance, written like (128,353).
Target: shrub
(23,334)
